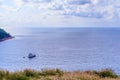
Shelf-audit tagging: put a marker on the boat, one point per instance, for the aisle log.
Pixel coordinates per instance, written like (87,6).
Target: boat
(30,55)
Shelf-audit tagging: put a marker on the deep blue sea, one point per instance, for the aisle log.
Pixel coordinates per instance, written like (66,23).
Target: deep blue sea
(65,48)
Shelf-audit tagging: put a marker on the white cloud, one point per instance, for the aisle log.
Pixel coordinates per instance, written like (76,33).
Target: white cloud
(80,8)
(42,10)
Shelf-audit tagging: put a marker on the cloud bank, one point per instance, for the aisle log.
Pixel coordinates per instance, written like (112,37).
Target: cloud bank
(100,10)
(80,8)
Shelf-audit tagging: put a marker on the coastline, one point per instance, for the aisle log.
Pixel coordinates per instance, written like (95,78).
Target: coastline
(7,38)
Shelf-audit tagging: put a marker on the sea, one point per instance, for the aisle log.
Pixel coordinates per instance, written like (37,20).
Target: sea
(69,49)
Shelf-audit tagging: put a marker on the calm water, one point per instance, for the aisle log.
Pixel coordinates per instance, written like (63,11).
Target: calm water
(67,49)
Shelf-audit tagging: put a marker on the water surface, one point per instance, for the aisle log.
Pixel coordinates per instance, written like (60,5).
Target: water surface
(64,48)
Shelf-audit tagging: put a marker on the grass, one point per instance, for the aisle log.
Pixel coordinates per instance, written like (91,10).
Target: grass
(57,74)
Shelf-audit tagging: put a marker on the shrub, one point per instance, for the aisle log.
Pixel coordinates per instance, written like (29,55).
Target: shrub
(104,73)
(59,72)
(3,74)
(107,73)
(30,73)
(16,77)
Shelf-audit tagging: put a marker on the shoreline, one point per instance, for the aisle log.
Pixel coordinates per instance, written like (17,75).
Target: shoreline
(7,38)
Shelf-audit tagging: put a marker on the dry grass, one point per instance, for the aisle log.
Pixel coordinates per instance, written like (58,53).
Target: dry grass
(57,74)
(78,76)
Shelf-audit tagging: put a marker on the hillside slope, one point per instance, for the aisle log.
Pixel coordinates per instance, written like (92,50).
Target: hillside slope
(4,35)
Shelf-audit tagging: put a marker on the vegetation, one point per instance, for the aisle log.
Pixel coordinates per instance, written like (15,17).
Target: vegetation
(57,74)
(3,34)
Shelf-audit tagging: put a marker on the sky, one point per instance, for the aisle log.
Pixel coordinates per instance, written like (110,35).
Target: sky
(60,13)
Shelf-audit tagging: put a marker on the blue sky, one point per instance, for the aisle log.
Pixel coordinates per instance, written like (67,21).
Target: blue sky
(60,13)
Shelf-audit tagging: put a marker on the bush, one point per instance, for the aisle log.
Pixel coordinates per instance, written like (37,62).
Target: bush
(59,72)
(104,73)
(30,73)
(16,77)
(107,73)
(3,74)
